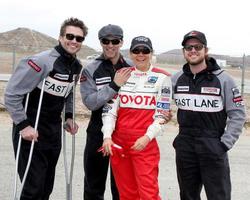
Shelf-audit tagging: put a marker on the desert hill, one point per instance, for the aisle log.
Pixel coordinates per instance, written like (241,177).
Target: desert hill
(24,40)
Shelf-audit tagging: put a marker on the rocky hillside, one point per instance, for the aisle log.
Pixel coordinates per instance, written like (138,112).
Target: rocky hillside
(24,40)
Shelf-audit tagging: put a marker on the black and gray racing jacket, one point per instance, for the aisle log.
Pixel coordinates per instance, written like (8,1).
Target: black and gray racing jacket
(57,67)
(209,104)
(97,88)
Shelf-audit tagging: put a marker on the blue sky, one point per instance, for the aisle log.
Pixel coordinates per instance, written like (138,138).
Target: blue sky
(225,23)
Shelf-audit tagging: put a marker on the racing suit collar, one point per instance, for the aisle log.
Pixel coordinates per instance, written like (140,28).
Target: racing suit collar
(211,66)
(144,72)
(64,53)
(71,62)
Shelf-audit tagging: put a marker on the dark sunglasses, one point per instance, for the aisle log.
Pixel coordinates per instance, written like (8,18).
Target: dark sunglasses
(143,50)
(78,38)
(107,41)
(197,47)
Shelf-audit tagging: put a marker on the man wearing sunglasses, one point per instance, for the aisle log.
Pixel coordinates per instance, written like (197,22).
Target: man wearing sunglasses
(211,116)
(57,67)
(100,82)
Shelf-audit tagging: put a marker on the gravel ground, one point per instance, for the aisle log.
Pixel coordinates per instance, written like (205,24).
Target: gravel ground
(239,161)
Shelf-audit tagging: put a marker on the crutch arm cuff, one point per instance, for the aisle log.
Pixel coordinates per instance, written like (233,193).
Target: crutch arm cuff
(23,124)
(68,115)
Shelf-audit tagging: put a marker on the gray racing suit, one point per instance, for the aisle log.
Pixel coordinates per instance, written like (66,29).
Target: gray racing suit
(57,67)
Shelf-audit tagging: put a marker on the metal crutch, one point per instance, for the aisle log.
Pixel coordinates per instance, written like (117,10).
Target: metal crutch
(69,175)
(18,149)
(32,145)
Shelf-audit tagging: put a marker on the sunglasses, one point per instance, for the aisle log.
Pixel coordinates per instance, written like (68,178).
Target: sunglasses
(78,38)
(143,50)
(197,47)
(107,41)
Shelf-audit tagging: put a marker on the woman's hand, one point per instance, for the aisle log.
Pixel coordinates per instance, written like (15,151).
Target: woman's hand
(141,143)
(167,116)
(107,146)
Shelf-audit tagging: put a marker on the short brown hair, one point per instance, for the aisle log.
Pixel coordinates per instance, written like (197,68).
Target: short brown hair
(73,22)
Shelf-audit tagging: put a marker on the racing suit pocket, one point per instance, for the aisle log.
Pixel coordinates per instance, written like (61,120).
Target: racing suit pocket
(210,146)
(183,143)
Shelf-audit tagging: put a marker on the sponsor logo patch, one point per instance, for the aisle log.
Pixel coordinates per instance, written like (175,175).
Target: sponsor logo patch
(137,101)
(140,74)
(152,79)
(237,98)
(182,88)
(165,99)
(236,92)
(129,84)
(106,108)
(64,77)
(57,88)
(200,103)
(162,105)
(34,66)
(165,91)
(210,90)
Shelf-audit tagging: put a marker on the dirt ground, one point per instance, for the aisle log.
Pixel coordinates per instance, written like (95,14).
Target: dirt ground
(239,159)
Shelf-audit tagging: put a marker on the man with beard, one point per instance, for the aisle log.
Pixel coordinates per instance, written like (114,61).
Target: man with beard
(211,116)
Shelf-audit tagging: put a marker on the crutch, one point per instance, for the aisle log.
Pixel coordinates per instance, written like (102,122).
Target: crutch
(18,149)
(16,197)
(69,174)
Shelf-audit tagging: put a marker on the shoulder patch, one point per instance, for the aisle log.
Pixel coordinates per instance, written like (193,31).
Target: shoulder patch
(34,66)
(237,98)
(83,78)
(158,70)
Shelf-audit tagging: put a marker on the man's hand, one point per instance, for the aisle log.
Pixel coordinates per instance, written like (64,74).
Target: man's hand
(29,133)
(121,76)
(70,127)
(141,143)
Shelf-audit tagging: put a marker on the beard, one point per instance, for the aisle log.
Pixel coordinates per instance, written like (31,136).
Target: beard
(196,61)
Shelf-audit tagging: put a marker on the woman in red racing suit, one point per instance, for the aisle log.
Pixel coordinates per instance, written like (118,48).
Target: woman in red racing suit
(132,120)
